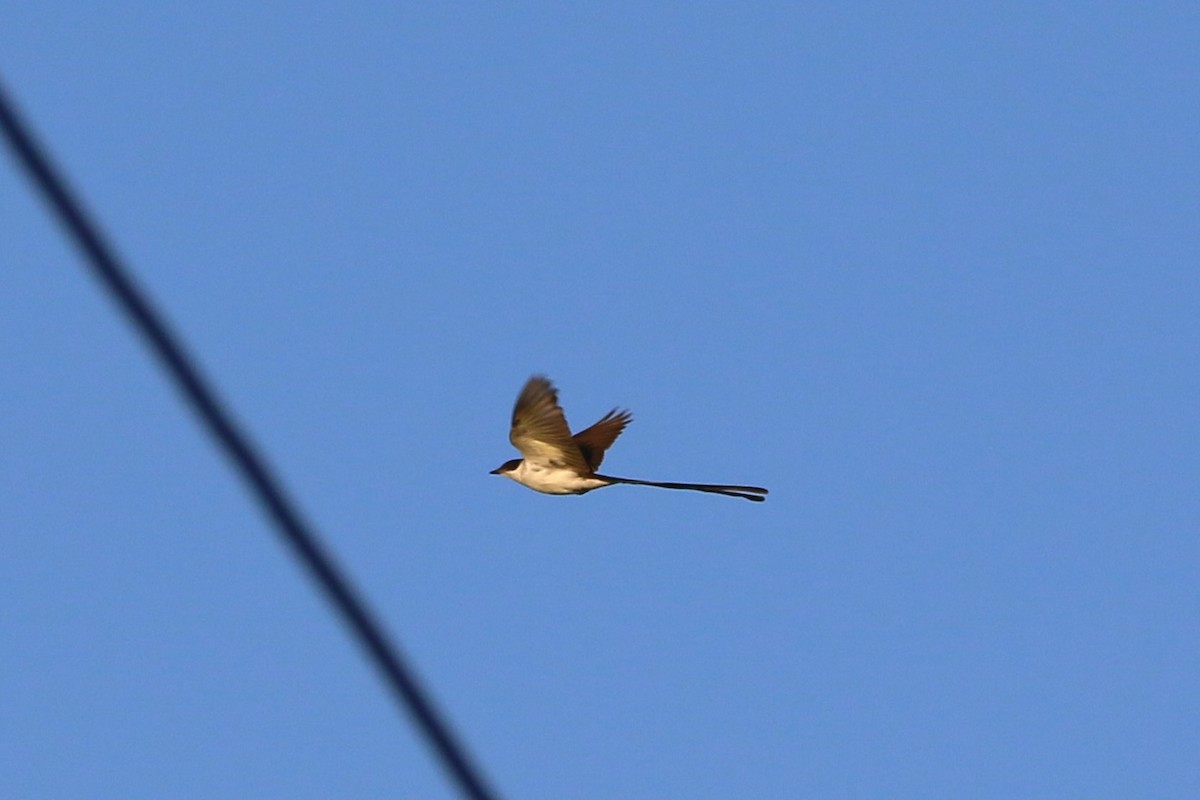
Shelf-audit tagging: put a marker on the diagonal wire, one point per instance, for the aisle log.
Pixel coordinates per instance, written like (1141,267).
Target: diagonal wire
(249,463)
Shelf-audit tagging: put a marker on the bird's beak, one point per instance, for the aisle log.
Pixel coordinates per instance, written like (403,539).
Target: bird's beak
(496,471)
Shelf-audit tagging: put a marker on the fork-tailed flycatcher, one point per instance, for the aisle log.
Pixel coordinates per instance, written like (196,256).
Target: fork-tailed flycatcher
(558,463)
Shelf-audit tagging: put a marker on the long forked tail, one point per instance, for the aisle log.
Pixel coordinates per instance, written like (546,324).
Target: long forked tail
(755,493)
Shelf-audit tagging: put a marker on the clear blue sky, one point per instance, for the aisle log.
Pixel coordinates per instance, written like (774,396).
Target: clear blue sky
(927,271)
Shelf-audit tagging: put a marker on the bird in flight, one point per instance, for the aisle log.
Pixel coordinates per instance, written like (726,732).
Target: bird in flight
(556,462)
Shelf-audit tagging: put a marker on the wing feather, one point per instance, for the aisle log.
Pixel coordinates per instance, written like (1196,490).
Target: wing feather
(539,428)
(595,440)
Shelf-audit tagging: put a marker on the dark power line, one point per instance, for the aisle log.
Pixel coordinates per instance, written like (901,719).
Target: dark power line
(250,464)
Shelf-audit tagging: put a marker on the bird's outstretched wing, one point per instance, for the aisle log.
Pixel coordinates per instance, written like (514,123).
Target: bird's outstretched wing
(595,440)
(539,428)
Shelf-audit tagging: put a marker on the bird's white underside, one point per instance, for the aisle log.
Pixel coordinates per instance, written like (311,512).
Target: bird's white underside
(550,479)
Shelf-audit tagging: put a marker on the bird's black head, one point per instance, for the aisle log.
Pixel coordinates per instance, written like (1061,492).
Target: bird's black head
(507,466)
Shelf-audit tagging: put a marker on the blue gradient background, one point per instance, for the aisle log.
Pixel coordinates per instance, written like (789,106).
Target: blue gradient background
(928,271)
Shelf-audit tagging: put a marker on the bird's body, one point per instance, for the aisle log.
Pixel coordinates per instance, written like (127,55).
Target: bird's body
(555,462)
(549,479)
